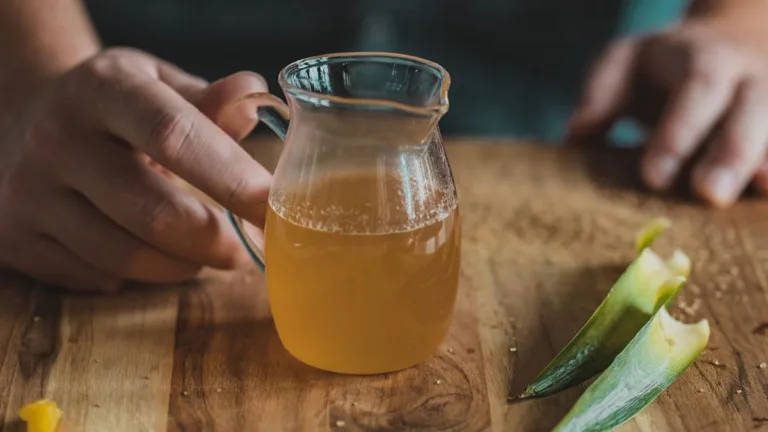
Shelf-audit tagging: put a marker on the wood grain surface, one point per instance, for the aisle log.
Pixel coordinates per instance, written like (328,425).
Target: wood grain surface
(546,232)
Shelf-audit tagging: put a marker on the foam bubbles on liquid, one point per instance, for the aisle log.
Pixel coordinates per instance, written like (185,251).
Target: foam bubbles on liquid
(346,208)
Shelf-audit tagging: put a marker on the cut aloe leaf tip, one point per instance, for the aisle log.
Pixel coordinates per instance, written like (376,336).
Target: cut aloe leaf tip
(647,284)
(652,361)
(648,234)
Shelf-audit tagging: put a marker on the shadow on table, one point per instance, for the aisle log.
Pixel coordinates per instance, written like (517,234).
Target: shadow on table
(619,169)
(13,426)
(564,310)
(230,366)
(231,336)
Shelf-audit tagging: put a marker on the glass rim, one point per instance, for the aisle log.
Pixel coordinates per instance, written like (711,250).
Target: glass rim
(439,108)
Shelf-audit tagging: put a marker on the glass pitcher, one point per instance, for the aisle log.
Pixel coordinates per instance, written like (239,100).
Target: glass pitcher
(362,235)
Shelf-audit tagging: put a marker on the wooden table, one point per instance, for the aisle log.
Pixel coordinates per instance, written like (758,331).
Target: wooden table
(546,232)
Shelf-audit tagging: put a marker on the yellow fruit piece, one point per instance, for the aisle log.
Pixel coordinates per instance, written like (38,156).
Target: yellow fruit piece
(41,416)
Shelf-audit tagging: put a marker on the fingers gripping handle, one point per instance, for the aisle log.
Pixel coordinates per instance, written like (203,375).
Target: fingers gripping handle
(275,114)
(255,252)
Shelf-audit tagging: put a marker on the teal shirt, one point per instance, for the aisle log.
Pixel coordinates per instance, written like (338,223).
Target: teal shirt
(516,66)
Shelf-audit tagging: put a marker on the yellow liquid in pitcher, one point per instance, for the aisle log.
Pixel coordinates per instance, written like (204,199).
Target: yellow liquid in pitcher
(361,287)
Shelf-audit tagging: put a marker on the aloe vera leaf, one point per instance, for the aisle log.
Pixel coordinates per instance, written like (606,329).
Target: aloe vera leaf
(650,232)
(630,303)
(652,361)
(646,285)
(678,264)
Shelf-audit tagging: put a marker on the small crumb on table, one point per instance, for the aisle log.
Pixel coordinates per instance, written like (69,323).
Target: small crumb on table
(716,363)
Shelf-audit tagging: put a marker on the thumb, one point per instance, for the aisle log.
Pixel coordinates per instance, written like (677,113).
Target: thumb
(187,85)
(606,92)
(221,101)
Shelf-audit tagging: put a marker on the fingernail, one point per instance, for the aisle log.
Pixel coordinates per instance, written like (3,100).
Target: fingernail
(721,184)
(661,170)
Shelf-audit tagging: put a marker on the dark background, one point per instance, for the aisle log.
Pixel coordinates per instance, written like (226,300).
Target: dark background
(516,66)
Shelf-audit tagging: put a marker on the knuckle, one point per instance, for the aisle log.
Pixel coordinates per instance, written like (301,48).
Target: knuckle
(233,259)
(17,181)
(112,60)
(705,74)
(738,148)
(102,74)
(132,263)
(101,68)
(36,160)
(246,191)
(170,136)
(713,64)
(128,261)
(42,138)
(754,92)
(673,140)
(735,151)
(237,190)
(121,51)
(126,59)
(93,79)
(157,217)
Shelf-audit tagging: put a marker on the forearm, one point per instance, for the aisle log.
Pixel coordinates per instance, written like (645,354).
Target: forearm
(752,12)
(40,39)
(744,22)
(709,7)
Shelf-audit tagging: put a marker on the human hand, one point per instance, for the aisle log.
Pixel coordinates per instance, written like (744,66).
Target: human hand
(81,204)
(698,85)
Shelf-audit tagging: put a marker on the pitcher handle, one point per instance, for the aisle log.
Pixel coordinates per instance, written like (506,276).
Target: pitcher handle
(274,113)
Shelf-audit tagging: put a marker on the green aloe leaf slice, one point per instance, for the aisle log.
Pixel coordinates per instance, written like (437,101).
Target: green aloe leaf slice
(645,286)
(650,363)
(649,233)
